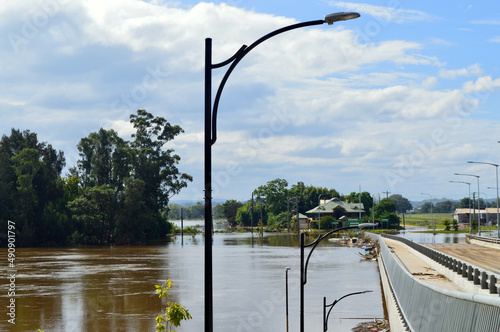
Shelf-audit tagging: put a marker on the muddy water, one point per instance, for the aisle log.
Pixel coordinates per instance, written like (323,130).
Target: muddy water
(112,288)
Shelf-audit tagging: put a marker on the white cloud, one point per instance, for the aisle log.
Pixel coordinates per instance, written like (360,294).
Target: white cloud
(386,14)
(486,21)
(472,70)
(325,100)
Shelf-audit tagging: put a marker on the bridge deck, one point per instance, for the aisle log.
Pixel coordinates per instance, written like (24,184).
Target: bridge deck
(419,268)
(480,256)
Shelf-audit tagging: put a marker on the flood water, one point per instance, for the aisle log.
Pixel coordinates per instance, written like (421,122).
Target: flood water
(112,288)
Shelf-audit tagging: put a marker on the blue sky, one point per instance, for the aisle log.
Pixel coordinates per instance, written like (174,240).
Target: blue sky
(397,100)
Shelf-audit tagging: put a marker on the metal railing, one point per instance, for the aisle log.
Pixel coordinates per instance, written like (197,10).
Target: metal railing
(426,307)
(483,239)
(474,274)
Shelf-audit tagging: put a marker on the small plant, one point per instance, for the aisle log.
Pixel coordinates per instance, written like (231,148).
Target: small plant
(174,313)
(455,225)
(447,224)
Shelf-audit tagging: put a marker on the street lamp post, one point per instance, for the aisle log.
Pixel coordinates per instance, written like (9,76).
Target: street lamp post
(211,135)
(432,221)
(470,215)
(304,263)
(326,316)
(498,213)
(478,201)
(286,283)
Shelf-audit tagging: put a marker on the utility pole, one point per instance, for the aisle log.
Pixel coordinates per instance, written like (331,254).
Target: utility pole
(386,193)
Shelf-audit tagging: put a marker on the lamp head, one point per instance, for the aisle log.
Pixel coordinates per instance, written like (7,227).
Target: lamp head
(340,16)
(288,268)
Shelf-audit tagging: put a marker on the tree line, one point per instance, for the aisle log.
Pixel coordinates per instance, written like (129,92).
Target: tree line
(275,202)
(115,194)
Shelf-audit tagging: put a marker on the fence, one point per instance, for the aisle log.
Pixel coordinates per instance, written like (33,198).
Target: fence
(425,307)
(472,273)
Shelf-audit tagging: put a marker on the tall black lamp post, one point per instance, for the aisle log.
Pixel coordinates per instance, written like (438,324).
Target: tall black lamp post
(211,136)
(331,305)
(303,264)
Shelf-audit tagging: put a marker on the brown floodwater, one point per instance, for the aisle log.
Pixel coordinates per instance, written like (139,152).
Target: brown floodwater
(112,288)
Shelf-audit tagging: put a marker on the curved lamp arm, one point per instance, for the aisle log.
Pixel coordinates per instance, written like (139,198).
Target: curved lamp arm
(244,50)
(319,239)
(334,303)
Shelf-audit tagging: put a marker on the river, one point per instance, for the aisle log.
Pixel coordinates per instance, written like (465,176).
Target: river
(112,288)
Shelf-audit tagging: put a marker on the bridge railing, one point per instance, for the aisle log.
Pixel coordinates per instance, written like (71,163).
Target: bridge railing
(426,307)
(483,239)
(473,274)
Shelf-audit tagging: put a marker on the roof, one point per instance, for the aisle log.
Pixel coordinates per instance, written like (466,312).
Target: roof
(336,203)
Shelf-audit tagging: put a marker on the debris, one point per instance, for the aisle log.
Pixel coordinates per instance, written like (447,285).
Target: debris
(378,325)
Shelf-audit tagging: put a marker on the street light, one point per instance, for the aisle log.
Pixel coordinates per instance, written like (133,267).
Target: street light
(470,215)
(286,283)
(478,201)
(211,135)
(432,222)
(304,264)
(498,214)
(325,316)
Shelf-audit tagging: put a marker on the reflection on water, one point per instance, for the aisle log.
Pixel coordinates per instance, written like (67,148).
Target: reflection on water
(112,288)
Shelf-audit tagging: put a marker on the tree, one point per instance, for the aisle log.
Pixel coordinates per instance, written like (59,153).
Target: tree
(230,210)
(309,195)
(154,165)
(426,207)
(402,203)
(444,207)
(94,213)
(105,159)
(464,203)
(31,187)
(384,207)
(366,200)
(274,194)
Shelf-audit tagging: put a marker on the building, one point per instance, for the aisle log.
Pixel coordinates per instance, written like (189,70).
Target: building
(488,216)
(338,209)
(303,221)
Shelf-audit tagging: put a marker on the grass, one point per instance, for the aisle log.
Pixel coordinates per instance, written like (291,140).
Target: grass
(424,219)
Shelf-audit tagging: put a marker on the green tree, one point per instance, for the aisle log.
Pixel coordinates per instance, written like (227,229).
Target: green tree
(366,200)
(444,207)
(274,194)
(153,164)
(384,206)
(426,207)
(402,203)
(31,187)
(105,159)
(230,210)
(195,211)
(94,214)
(447,224)
(309,195)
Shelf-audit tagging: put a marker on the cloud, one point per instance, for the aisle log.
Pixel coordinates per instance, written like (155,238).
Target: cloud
(324,100)
(472,70)
(495,39)
(486,22)
(386,14)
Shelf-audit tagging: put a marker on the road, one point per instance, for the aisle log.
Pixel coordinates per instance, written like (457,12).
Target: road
(480,256)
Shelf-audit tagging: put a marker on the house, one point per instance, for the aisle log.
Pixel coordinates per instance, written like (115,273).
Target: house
(488,216)
(338,209)
(303,221)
